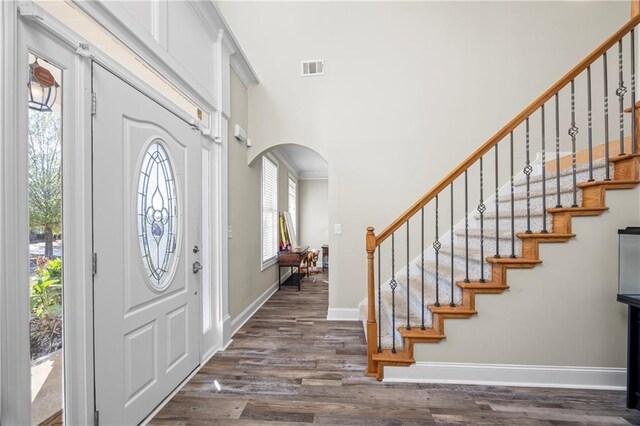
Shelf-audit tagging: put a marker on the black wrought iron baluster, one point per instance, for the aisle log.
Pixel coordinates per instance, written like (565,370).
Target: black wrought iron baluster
(544,175)
(408,290)
(466,226)
(452,281)
(379,304)
(620,91)
(527,171)
(436,246)
(513,221)
(393,284)
(481,209)
(633,92)
(558,202)
(573,132)
(422,262)
(589,124)
(497,255)
(606,116)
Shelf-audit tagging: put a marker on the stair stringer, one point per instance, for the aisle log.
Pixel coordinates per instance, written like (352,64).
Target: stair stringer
(593,194)
(473,221)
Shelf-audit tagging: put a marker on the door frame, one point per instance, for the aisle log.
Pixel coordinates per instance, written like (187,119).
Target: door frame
(16,383)
(14,345)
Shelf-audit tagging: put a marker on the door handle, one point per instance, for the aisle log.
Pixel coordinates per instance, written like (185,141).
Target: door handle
(197,267)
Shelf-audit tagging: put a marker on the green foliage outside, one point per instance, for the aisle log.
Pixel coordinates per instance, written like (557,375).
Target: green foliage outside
(46,308)
(45,218)
(46,290)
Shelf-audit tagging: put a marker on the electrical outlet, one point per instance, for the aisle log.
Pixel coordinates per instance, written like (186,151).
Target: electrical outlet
(230,232)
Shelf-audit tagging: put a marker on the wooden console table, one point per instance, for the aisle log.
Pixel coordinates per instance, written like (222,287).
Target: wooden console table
(292,259)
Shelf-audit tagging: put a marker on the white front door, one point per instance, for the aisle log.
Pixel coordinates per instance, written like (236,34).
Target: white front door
(146,216)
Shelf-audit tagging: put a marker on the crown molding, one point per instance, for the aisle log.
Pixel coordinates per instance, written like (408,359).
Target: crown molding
(218,26)
(313,176)
(284,158)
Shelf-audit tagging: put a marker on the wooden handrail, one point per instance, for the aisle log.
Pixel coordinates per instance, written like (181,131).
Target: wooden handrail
(504,132)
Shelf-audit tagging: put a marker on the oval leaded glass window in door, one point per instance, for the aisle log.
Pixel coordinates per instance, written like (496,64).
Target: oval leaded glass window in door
(157,215)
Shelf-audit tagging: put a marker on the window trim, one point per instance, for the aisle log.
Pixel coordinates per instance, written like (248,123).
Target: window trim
(295,221)
(267,263)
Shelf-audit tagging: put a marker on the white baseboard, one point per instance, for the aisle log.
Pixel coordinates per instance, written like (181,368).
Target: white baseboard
(226,331)
(343,314)
(240,320)
(224,348)
(509,375)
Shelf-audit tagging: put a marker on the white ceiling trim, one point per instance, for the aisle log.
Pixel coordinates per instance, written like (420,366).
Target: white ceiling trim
(284,158)
(313,176)
(238,59)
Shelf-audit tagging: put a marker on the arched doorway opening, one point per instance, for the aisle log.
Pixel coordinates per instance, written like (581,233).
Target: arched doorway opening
(278,201)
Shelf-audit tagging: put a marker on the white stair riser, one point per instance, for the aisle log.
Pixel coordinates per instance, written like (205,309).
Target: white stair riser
(599,173)
(566,199)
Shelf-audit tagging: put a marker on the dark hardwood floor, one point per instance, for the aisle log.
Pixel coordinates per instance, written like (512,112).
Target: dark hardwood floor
(288,365)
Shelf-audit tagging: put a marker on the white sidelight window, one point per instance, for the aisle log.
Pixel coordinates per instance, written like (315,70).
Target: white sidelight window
(269,211)
(293,203)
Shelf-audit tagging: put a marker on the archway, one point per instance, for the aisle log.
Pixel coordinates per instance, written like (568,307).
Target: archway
(306,204)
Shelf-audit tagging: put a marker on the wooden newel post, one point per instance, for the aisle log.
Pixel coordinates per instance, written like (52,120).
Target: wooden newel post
(372,338)
(636,115)
(635,11)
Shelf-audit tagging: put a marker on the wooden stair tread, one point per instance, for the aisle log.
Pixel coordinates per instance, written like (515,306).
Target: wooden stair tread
(628,109)
(399,357)
(616,158)
(461,310)
(542,235)
(579,211)
(420,334)
(479,287)
(611,184)
(513,261)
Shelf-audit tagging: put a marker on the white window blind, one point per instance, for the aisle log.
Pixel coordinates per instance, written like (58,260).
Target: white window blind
(293,191)
(269,210)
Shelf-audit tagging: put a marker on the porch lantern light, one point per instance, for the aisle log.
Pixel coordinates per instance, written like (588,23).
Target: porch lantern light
(43,88)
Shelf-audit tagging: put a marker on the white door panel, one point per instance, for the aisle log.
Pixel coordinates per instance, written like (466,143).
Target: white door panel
(146,192)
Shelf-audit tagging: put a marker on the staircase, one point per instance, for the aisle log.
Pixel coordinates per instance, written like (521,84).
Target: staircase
(439,280)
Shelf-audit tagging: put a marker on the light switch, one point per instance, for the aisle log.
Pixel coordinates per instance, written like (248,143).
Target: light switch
(337,228)
(229,231)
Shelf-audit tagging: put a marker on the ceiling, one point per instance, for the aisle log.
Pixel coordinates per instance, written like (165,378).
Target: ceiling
(307,163)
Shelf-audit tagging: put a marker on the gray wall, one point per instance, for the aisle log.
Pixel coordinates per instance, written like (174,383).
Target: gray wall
(246,280)
(411,89)
(313,197)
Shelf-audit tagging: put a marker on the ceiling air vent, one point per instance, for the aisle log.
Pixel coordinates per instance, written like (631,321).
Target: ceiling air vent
(310,68)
